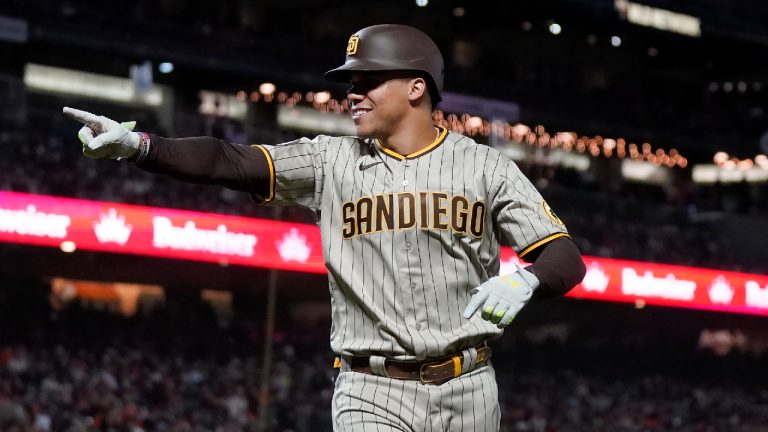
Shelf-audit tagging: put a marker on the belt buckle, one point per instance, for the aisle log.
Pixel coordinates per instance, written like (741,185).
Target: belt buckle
(447,362)
(421,373)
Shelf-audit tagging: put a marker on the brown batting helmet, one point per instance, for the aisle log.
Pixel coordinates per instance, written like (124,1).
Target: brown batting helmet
(392,47)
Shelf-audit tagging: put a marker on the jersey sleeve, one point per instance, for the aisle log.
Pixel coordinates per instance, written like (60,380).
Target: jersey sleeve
(520,213)
(296,173)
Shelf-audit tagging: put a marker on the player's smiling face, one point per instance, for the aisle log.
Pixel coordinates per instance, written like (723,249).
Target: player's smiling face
(378,102)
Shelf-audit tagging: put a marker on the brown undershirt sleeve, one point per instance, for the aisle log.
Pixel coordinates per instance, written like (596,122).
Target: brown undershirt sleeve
(558,266)
(206,160)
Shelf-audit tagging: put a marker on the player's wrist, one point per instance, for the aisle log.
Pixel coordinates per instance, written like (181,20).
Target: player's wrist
(530,278)
(522,278)
(140,143)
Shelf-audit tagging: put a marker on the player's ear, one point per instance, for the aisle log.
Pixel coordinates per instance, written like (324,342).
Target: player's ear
(417,88)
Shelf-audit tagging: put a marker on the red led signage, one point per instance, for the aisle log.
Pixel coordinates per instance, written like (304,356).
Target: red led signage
(112,227)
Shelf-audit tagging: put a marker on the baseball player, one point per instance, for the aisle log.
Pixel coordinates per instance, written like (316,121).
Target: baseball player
(411,217)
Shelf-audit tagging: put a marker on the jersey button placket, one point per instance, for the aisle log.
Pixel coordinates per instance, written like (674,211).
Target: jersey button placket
(410,254)
(402,260)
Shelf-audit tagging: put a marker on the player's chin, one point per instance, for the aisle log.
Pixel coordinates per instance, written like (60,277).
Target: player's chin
(364,131)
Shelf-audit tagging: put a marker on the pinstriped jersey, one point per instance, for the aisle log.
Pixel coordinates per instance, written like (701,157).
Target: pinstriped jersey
(406,238)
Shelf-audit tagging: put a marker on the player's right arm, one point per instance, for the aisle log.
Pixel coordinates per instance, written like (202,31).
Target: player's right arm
(207,160)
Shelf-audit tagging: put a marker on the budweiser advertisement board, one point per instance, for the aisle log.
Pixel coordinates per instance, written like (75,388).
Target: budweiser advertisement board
(120,228)
(177,234)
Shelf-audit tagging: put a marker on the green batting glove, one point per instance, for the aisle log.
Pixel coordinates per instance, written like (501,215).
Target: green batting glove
(103,137)
(502,297)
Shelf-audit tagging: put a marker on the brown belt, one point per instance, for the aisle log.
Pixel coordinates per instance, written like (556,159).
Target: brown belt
(428,372)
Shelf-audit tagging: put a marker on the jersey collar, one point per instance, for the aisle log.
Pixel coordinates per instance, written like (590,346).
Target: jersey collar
(443,132)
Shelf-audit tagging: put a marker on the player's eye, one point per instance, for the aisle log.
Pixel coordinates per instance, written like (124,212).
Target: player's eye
(364,85)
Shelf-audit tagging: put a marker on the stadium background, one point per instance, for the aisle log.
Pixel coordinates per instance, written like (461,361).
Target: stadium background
(95,340)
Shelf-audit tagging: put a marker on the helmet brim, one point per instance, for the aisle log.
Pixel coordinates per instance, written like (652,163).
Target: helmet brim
(344,72)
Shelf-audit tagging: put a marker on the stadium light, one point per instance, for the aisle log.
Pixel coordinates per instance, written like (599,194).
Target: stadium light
(322,97)
(86,84)
(68,246)
(422,3)
(267,88)
(661,19)
(555,28)
(615,41)
(474,122)
(165,67)
(720,157)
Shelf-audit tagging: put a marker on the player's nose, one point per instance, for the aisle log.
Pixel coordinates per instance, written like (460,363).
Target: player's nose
(354,97)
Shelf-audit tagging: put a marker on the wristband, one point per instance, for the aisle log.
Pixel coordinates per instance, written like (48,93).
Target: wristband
(143,147)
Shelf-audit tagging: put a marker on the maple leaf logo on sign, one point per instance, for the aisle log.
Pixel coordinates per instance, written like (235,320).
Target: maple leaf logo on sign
(111,228)
(756,296)
(293,247)
(720,291)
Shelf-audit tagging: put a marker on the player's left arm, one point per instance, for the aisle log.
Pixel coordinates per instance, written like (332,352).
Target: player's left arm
(537,235)
(558,267)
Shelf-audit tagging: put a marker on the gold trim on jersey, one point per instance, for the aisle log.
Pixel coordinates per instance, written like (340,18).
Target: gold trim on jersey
(442,133)
(271,165)
(541,242)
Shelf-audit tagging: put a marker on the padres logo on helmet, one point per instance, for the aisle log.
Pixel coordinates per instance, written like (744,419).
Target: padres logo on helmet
(352,44)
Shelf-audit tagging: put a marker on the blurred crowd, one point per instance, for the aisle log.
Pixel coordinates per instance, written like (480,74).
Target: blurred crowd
(180,368)
(177,368)
(614,226)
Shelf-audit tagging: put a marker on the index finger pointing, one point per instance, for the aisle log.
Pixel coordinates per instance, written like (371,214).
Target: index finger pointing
(84,117)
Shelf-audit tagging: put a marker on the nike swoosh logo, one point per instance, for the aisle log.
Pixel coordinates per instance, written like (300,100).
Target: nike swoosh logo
(364,167)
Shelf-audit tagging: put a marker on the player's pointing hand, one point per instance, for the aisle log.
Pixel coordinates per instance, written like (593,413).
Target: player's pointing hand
(502,297)
(103,137)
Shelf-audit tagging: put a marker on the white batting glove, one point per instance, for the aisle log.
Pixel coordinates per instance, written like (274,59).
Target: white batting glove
(502,297)
(103,137)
